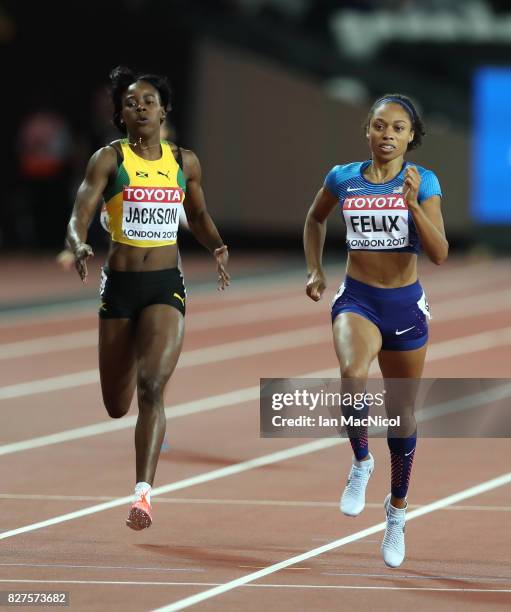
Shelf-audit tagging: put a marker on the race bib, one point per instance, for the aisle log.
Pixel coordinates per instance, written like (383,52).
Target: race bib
(151,213)
(376,222)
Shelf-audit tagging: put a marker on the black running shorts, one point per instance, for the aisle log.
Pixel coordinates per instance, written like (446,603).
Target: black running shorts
(125,294)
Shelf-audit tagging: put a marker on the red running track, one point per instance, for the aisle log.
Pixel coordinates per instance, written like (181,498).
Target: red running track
(225,518)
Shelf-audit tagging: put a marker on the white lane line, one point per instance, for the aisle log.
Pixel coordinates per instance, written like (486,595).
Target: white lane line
(206,501)
(256,346)
(483,487)
(49,344)
(253,586)
(274,310)
(296,451)
(463,275)
(202,405)
(45,385)
(457,347)
(278,308)
(238,468)
(247,394)
(478,304)
(213,354)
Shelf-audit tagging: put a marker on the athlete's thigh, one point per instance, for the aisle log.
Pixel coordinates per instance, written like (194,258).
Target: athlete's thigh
(159,339)
(117,363)
(402,364)
(357,341)
(402,371)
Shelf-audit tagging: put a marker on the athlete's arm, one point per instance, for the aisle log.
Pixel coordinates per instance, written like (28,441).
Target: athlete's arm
(314,239)
(200,222)
(427,217)
(101,165)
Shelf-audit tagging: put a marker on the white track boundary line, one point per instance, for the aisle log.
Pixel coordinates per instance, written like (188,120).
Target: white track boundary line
(427,509)
(257,586)
(238,468)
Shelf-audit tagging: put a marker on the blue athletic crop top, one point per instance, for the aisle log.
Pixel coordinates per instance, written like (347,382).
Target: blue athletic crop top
(376,214)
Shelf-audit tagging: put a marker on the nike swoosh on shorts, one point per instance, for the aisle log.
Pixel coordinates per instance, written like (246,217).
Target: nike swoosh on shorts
(402,331)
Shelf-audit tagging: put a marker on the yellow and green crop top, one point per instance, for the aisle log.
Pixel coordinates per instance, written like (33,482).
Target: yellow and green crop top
(142,203)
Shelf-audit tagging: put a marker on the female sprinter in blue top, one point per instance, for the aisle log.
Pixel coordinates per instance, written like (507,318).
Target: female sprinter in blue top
(391,209)
(144,182)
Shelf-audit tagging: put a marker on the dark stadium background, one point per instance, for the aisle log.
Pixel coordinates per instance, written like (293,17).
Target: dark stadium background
(264,93)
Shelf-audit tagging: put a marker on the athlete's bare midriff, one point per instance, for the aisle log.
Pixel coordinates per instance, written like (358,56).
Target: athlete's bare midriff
(385,270)
(126,258)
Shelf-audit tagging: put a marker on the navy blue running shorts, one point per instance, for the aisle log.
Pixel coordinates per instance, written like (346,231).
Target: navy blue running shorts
(125,294)
(400,314)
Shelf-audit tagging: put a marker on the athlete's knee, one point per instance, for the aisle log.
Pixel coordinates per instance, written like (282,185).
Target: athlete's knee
(354,370)
(115,408)
(150,389)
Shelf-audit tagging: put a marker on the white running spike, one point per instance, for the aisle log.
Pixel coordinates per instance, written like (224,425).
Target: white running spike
(353,499)
(393,545)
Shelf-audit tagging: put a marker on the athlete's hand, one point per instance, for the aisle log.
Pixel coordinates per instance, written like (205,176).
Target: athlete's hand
(82,253)
(316,285)
(411,186)
(222,257)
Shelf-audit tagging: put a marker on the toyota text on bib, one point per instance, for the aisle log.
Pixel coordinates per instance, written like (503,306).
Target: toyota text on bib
(151,213)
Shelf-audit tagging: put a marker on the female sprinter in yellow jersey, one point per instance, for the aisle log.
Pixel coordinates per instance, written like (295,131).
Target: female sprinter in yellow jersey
(144,182)
(391,209)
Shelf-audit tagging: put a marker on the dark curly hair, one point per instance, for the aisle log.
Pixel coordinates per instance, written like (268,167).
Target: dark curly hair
(121,78)
(409,106)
